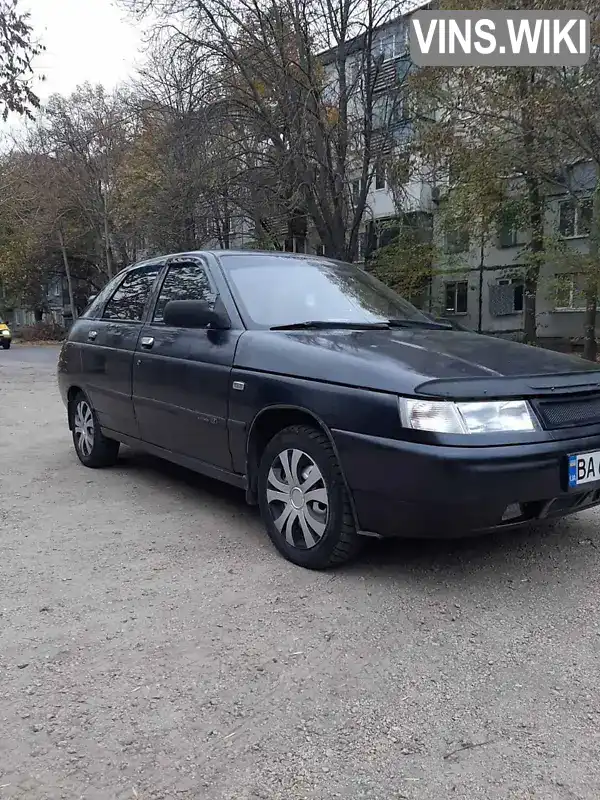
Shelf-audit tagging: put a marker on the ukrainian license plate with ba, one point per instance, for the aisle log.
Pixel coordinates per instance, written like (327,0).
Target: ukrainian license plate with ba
(584,468)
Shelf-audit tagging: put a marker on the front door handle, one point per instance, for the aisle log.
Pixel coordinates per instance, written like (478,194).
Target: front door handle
(147,342)
(92,335)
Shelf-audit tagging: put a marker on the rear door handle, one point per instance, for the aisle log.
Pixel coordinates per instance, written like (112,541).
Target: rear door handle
(92,335)
(147,342)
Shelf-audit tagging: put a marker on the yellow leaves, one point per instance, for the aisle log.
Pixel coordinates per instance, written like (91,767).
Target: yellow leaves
(332,115)
(260,88)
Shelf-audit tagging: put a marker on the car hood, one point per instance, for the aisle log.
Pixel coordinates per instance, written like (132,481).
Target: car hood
(425,361)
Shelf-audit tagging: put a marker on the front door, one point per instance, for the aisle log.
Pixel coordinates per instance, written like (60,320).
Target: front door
(181,376)
(107,348)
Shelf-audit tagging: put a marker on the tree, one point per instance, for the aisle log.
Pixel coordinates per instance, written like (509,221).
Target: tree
(41,236)
(179,170)
(18,48)
(492,142)
(300,85)
(573,95)
(88,136)
(406,263)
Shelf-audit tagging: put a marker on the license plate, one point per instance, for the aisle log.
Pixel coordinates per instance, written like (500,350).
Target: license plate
(584,468)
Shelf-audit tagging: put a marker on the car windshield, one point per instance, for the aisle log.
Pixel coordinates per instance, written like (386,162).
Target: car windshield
(273,290)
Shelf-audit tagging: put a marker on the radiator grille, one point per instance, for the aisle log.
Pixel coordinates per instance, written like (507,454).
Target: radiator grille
(570,413)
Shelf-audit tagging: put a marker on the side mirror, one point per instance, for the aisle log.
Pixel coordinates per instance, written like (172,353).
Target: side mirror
(91,299)
(194,314)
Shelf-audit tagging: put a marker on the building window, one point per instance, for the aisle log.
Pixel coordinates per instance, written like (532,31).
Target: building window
(574,218)
(456,297)
(387,46)
(355,187)
(393,44)
(570,293)
(380,175)
(508,236)
(515,293)
(354,72)
(457,240)
(388,230)
(297,244)
(320,249)
(202,228)
(362,246)
(388,111)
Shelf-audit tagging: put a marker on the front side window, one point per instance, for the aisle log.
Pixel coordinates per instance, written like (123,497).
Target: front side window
(186,281)
(129,301)
(275,290)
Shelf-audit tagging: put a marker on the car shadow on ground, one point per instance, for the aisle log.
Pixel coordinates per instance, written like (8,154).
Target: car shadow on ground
(501,556)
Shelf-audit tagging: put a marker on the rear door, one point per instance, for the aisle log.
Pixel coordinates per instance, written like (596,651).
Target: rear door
(108,345)
(181,376)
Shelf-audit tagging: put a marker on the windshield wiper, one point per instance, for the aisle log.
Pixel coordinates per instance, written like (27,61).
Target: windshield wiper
(318,324)
(418,323)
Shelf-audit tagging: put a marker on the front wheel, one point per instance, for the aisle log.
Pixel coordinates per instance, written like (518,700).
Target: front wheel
(92,447)
(6,345)
(303,499)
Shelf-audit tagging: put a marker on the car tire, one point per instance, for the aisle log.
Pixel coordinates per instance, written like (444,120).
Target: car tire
(6,345)
(92,447)
(307,514)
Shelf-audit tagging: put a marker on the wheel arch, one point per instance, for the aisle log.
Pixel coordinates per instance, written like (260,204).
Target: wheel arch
(267,423)
(71,394)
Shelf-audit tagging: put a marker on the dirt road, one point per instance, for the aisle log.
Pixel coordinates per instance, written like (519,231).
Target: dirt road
(153,644)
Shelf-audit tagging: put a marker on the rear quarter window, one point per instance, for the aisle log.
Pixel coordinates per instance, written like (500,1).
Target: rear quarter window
(94,310)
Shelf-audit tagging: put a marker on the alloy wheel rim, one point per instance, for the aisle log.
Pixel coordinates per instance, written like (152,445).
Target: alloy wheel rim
(297,498)
(84,428)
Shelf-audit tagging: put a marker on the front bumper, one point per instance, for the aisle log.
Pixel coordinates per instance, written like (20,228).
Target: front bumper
(404,488)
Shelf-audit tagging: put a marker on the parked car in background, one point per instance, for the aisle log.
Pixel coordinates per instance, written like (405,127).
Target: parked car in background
(5,336)
(337,406)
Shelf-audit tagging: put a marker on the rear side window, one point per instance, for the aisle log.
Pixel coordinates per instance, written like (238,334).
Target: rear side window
(186,281)
(128,302)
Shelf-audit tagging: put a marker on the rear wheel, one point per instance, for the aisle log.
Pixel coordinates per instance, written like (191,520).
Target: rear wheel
(303,499)
(92,447)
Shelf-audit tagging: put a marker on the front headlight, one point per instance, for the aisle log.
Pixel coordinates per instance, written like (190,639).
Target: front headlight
(5,332)
(489,416)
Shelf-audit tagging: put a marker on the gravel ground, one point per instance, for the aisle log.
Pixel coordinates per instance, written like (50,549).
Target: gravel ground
(154,645)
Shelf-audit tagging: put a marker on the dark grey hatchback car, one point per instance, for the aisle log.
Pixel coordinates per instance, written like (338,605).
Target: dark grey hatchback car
(337,406)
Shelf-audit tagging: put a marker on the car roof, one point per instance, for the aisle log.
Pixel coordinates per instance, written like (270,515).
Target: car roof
(218,254)
(278,253)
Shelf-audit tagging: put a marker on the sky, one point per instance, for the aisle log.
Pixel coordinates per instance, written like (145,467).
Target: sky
(85,40)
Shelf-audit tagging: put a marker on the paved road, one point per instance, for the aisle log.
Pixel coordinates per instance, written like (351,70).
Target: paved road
(153,645)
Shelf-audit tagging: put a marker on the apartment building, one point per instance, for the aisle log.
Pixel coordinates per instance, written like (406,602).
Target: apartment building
(478,282)
(483,287)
